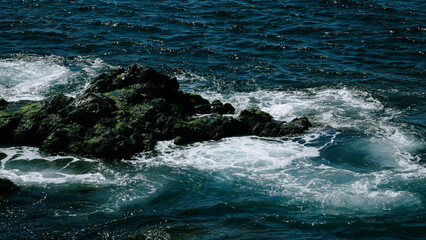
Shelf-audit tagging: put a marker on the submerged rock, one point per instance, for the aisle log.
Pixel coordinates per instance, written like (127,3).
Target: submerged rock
(7,187)
(126,111)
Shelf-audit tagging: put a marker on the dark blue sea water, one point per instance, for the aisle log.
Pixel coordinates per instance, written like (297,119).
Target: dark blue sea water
(355,68)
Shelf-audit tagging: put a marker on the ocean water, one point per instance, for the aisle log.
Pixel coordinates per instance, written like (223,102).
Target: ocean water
(355,68)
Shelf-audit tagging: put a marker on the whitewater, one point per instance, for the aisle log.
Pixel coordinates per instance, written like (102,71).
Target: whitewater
(354,68)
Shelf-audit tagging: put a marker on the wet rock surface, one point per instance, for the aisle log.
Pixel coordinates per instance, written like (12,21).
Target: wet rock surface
(7,187)
(127,111)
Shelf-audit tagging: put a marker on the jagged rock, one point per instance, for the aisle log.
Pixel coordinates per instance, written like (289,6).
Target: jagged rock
(30,117)
(220,108)
(7,187)
(55,105)
(151,76)
(107,82)
(89,108)
(253,116)
(251,121)
(262,124)
(126,111)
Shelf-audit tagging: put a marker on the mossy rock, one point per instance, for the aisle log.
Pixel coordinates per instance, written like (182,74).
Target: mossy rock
(222,127)
(30,109)
(127,96)
(99,146)
(57,141)
(191,131)
(31,116)
(220,108)
(123,128)
(255,115)
(126,111)
(4,113)
(57,104)
(89,108)
(105,82)
(207,128)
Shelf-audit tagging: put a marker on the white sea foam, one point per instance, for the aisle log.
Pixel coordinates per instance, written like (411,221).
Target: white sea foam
(23,79)
(341,109)
(290,168)
(338,108)
(32,77)
(232,154)
(294,168)
(29,166)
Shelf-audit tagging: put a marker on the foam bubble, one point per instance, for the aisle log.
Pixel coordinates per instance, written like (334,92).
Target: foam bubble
(341,109)
(293,168)
(290,169)
(332,107)
(247,153)
(296,168)
(188,80)
(28,166)
(22,79)
(34,77)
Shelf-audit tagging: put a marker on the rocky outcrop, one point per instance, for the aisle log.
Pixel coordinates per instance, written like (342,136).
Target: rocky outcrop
(7,187)
(126,111)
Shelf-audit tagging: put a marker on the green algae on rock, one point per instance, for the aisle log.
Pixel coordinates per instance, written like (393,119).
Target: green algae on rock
(127,111)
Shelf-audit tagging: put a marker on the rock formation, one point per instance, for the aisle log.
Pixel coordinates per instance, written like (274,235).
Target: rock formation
(127,111)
